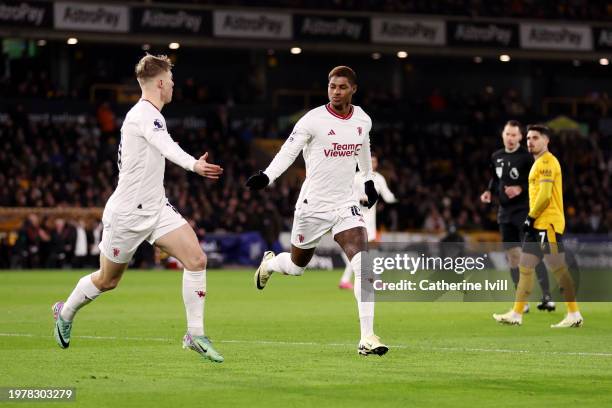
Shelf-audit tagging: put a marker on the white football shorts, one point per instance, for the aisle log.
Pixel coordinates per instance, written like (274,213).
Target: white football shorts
(123,233)
(309,227)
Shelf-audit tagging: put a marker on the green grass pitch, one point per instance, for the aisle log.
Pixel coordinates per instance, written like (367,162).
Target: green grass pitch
(294,345)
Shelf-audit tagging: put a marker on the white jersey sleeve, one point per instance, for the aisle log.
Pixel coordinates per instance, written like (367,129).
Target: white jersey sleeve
(159,137)
(145,145)
(383,189)
(290,150)
(364,157)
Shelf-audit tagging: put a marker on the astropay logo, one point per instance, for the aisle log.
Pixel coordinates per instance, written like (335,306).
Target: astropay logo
(343,150)
(91,17)
(556,37)
(22,13)
(171,19)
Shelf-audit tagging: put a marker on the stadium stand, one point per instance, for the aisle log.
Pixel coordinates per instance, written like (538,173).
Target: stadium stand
(433,131)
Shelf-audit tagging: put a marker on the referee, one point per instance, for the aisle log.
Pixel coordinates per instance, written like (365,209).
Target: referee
(510,167)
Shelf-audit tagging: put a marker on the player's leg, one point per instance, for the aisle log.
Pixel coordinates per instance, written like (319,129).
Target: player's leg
(513,255)
(347,275)
(306,233)
(531,255)
(350,233)
(117,246)
(511,238)
(285,263)
(175,237)
(542,274)
(88,288)
(369,216)
(555,260)
(182,243)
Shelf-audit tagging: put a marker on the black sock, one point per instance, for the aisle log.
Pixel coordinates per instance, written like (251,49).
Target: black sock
(542,275)
(514,272)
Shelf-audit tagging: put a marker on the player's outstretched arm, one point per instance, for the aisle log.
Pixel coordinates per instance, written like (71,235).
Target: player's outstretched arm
(281,162)
(485,197)
(365,167)
(386,194)
(206,169)
(162,140)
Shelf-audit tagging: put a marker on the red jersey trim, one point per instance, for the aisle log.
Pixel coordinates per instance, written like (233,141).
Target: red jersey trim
(334,114)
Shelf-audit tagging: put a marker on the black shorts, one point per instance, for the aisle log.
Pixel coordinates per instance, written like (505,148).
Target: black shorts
(511,234)
(543,242)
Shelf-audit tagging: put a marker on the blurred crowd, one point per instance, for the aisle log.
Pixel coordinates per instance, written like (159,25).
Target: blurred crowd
(53,164)
(435,160)
(54,243)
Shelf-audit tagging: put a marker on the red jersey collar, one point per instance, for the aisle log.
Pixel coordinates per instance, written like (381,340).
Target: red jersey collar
(334,114)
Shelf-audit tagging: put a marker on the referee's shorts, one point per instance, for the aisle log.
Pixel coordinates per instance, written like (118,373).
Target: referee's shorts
(512,233)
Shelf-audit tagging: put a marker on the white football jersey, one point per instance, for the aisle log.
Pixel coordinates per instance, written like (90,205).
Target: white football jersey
(369,214)
(145,145)
(332,147)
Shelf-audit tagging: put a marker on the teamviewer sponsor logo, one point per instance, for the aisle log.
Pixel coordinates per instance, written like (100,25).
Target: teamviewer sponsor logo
(343,150)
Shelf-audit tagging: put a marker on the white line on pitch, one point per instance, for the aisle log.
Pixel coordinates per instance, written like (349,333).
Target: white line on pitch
(303,343)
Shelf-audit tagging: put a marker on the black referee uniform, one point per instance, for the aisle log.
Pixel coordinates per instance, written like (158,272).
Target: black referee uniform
(512,169)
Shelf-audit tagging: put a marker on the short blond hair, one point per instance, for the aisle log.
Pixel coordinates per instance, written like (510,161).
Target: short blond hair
(150,66)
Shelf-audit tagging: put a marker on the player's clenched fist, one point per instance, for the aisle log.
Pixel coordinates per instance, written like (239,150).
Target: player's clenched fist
(258,181)
(208,170)
(486,197)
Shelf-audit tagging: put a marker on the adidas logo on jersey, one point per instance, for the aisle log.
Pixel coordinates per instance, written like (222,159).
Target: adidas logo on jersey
(331,133)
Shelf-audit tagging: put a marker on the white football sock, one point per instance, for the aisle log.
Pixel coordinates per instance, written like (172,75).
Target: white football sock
(84,292)
(348,269)
(282,263)
(366,309)
(194,294)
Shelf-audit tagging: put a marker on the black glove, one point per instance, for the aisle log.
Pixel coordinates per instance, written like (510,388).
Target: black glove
(528,225)
(258,181)
(371,192)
